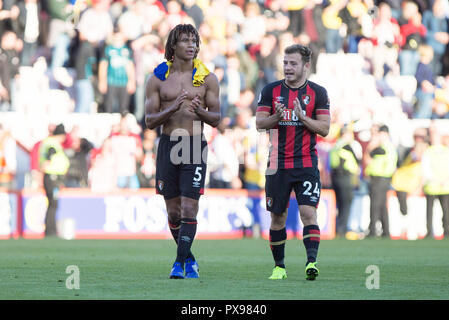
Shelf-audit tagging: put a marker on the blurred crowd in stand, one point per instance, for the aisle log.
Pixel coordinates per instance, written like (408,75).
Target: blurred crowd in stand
(84,63)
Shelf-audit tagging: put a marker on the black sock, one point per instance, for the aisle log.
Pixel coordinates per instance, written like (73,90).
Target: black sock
(277,245)
(185,239)
(311,239)
(175,226)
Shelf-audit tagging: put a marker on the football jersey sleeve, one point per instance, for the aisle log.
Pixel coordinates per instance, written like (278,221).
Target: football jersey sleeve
(322,102)
(265,101)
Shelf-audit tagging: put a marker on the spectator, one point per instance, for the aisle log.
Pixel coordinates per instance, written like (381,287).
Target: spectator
(131,21)
(4,97)
(294,9)
(147,167)
(116,75)
(29,29)
(437,36)
(153,12)
(9,12)
(425,84)
(266,56)
(440,107)
(60,31)
(78,154)
(175,14)
(103,171)
(408,178)
(84,63)
(248,66)
(352,15)
(127,151)
(54,164)
(8,161)
(224,164)
(333,24)
(277,19)
(194,11)
(381,160)
(235,80)
(314,29)
(255,145)
(395,6)
(96,22)
(436,179)
(412,36)
(254,26)
(385,37)
(10,48)
(409,8)
(146,55)
(345,158)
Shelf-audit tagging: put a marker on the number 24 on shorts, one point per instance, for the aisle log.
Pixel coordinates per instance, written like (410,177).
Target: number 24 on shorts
(308,185)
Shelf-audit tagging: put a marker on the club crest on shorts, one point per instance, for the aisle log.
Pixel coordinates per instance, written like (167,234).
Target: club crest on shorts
(160,184)
(305,99)
(269,202)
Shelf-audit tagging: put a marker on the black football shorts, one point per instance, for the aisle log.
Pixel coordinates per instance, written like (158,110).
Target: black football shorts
(181,166)
(304,181)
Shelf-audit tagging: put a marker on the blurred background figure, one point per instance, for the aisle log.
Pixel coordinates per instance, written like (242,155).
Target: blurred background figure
(61,30)
(84,61)
(335,30)
(78,154)
(425,80)
(28,22)
(126,148)
(381,161)
(435,21)
(10,48)
(54,164)
(408,177)
(345,158)
(116,75)
(8,162)
(435,171)
(147,167)
(412,36)
(385,38)
(224,169)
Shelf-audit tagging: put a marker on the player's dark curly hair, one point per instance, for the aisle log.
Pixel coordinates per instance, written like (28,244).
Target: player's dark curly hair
(175,35)
(304,51)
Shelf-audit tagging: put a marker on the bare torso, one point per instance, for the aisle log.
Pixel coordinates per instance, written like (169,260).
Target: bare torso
(184,118)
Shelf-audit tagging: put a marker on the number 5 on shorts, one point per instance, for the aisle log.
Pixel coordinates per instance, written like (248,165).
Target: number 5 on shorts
(198,175)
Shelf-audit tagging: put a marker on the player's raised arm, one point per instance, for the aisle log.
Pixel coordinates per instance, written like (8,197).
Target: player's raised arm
(264,118)
(266,121)
(154,116)
(211,115)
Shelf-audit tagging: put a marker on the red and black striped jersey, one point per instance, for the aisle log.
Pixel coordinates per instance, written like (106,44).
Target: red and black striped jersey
(292,144)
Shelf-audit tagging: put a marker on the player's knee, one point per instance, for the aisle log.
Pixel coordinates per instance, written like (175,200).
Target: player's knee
(174,216)
(174,212)
(308,215)
(189,210)
(278,221)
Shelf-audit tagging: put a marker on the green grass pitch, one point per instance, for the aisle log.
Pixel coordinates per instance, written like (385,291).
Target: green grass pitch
(229,269)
